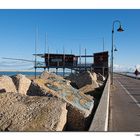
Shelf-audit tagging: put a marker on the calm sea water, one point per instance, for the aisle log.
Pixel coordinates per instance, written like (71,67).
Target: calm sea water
(27,73)
(10,73)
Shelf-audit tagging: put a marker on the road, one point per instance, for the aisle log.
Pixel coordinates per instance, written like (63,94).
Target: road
(124,111)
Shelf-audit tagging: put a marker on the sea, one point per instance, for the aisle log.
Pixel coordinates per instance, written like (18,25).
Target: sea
(11,73)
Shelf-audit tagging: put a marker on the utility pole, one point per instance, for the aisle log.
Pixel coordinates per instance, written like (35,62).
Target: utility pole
(85,58)
(63,61)
(36,45)
(80,56)
(103,44)
(45,50)
(103,69)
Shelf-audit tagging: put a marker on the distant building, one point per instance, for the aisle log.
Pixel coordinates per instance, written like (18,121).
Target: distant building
(101,63)
(60,60)
(71,61)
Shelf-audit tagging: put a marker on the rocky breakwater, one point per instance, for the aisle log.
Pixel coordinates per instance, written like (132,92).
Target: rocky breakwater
(26,113)
(20,112)
(88,83)
(7,85)
(79,105)
(48,103)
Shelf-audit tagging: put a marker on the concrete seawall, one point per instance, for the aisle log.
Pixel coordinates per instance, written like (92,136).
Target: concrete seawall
(100,120)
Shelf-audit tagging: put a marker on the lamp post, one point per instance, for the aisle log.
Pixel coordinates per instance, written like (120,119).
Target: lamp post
(112,49)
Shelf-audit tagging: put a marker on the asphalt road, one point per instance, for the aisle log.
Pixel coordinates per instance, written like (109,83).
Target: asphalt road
(124,111)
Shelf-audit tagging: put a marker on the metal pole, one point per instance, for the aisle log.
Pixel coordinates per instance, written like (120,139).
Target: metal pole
(63,61)
(71,54)
(102,56)
(103,44)
(56,70)
(45,42)
(80,57)
(112,56)
(48,54)
(103,71)
(112,49)
(36,44)
(85,58)
(45,51)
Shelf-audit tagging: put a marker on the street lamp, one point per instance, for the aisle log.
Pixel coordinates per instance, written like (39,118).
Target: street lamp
(115,49)
(112,49)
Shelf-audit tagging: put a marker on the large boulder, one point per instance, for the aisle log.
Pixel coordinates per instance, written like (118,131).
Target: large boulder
(87,89)
(79,105)
(84,78)
(47,75)
(22,83)
(52,76)
(6,84)
(31,113)
(85,81)
(100,77)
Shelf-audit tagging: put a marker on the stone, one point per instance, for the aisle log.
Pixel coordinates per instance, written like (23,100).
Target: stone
(86,81)
(94,76)
(76,101)
(87,89)
(36,90)
(50,76)
(83,78)
(22,83)
(31,113)
(100,77)
(6,84)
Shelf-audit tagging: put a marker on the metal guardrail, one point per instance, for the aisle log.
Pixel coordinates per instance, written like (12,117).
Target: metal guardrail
(100,120)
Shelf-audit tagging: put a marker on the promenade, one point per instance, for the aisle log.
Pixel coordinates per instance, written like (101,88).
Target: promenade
(124,110)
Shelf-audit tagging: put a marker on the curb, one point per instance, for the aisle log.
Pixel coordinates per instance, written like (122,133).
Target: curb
(100,120)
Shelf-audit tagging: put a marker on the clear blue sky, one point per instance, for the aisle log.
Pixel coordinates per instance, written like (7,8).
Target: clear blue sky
(68,28)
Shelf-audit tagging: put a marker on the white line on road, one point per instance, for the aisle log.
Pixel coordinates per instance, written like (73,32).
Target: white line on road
(129,94)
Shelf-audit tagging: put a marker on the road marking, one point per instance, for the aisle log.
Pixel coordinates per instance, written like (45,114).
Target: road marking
(129,94)
(107,111)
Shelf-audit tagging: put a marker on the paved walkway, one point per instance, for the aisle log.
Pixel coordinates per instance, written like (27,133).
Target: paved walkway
(124,113)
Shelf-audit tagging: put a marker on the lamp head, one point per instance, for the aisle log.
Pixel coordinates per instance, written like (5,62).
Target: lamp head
(115,50)
(120,29)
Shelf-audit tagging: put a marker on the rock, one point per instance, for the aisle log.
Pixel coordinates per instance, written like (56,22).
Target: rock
(94,76)
(22,83)
(100,77)
(86,81)
(35,90)
(84,78)
(52,76)
(77,120)
(87,89)
(6,84)
(31,113)
(79,105)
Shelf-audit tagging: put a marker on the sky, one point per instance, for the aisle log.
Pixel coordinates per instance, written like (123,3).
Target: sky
(68,29)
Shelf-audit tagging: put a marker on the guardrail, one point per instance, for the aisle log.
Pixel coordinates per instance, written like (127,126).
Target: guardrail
(100,120)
